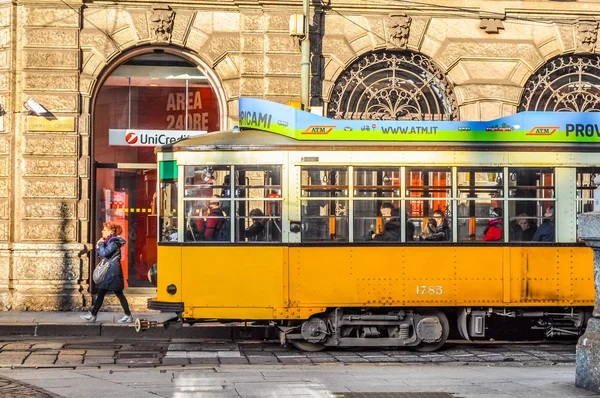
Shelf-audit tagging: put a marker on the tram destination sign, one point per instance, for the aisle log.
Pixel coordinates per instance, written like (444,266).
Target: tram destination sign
(148,138)
(570,127)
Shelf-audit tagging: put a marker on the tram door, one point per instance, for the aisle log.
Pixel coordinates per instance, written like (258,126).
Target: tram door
(126,196)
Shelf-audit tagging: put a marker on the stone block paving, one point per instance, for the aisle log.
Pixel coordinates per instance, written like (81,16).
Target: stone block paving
(107,353)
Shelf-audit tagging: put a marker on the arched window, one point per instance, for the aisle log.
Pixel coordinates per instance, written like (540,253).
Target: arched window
(569,83)
(393,86)
(145,100)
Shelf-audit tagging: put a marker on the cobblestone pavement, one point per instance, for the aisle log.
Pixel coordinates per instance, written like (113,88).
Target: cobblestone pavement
(114,353)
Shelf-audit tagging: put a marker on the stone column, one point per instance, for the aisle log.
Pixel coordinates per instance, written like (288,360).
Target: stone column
(587,374)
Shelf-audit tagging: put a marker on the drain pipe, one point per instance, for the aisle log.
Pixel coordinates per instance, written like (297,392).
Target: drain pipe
(305,64)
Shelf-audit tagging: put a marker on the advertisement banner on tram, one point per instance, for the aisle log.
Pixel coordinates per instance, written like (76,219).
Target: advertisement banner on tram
(521,127)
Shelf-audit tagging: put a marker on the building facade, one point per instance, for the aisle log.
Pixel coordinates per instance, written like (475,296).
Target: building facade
(76,75)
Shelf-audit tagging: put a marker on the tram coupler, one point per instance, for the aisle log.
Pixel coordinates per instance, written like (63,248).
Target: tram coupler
(141,325)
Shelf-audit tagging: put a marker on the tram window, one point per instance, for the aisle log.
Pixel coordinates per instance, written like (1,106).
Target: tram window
(534,208)
(377,183)
(324,182)
(480,204)
(325,220)
(428,190)
(258,203)
(168,211)
(419,218)
(369,220)
(205,221)
(585,189)
(207,181)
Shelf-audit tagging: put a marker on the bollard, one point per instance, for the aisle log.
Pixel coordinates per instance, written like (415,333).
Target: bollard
(587,373)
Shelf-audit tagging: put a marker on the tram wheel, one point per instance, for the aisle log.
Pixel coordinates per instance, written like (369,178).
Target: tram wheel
(429,347)
(306,346)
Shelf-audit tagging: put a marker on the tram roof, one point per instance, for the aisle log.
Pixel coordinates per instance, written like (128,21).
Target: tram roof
(258,140)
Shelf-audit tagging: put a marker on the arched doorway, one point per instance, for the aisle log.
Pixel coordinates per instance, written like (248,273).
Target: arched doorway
(146,100)
(568,83)
(393,85)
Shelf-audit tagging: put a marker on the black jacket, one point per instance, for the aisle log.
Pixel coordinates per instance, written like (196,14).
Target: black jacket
(391,231)
(435,232)
(256,231)
(518,235)
(111,250)
(545,233)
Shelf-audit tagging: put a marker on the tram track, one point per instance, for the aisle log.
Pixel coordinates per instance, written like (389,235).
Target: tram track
(104,352)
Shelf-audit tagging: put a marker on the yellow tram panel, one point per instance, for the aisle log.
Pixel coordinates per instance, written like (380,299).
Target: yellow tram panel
(170,273)
(280,282)
(543,275)
(223,276)
(322,276)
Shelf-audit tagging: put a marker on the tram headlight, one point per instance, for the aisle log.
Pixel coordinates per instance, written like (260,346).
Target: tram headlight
(171,289)
(152,274)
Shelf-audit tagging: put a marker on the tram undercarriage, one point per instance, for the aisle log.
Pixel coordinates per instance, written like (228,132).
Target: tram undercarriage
(422,329)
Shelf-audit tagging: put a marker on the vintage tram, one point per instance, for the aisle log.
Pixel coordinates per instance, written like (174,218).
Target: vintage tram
(281,220)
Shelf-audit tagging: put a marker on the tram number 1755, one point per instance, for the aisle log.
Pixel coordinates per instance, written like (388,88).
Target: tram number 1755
(430,290)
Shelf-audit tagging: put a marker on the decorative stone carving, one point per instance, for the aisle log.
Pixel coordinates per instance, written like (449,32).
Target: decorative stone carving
(51,59)
(4,231)
(50,210)
(50,188)
(60,38)
(398,29)
(51,232)
(491,25)
(51,167)
(36,145)
(64,266)
(4,209)
(4,185)
(45,80)
(55,17)
(587,35)
(161,23)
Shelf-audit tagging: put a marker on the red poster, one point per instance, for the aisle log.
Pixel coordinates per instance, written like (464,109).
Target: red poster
(163,108)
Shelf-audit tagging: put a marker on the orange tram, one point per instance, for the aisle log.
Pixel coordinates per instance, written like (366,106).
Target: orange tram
(333,231)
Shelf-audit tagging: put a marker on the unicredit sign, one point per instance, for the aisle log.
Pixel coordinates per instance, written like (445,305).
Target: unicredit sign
(148,138)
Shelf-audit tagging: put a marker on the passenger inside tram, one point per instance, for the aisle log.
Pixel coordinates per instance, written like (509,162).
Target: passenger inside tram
(495,230)
(437,228)
(256,231)
(523,229)
(391,228)
(545,233)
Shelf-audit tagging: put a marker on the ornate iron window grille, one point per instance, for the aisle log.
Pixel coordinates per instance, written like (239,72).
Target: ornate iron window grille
(393,86)
(569,83)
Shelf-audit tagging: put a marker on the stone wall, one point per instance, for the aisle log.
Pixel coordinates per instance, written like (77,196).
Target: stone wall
(58,52)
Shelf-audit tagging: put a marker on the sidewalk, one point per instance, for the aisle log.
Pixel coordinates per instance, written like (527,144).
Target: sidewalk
(67,323)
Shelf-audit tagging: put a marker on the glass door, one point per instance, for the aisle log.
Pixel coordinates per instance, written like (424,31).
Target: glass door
(127,197)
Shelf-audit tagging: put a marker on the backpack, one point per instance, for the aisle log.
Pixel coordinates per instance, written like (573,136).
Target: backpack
(223,231)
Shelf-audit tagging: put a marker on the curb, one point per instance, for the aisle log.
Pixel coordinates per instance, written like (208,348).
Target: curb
(217,332)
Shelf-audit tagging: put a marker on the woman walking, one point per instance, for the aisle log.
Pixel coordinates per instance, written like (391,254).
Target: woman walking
(109,247)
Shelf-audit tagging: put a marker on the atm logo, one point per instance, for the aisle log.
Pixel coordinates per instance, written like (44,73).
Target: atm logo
(543,130)
(318,130)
